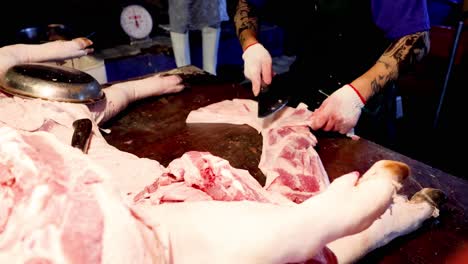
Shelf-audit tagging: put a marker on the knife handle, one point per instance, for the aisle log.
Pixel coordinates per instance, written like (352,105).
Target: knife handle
(81,135)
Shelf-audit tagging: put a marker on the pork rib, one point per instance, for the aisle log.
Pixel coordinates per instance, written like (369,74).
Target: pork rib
(289,160)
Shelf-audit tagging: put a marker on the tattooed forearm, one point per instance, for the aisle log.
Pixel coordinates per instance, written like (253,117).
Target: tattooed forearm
(401,53)
(386,64)
(390,73)
(379,82)
(245,19)
(410,48)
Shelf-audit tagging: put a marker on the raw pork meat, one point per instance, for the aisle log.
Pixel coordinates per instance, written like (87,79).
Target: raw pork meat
(200,176)
(289,160)
(79,218)
(59,207)
(100,207)
(130,173)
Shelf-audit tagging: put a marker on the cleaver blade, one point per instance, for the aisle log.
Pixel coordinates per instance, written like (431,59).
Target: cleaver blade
(270,101)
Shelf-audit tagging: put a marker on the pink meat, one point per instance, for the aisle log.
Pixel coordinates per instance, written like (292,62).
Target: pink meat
(292,165)
(200,176)
(130,174)
(237,111)
(58,207)
(289,160)
(172,193)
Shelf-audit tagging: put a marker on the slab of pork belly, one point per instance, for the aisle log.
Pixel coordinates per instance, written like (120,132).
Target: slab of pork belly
(289,160)
(57,206)
(130,173)
(292,165)
(244,112)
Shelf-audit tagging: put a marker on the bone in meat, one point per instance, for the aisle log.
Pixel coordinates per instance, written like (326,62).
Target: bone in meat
(289,160)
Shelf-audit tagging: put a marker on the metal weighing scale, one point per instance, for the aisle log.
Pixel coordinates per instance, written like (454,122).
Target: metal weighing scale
(137,23)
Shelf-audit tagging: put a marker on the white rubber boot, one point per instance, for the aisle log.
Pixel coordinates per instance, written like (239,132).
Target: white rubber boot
(181,48)
(210,38)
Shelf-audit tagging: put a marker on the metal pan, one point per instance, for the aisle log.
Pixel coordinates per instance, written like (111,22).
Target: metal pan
(42,34)
(50,82)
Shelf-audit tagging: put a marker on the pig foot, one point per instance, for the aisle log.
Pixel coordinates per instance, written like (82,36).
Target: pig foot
(347,207)
(401,218)
(155,85)
(119,95)
(356,203)
(392,170)
(226,232)
(60,50)
(251,232)
(51,51)
(434,197)
(77,47)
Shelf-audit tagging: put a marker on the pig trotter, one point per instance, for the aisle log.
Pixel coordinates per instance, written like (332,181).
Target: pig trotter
(395,171)
(434,197)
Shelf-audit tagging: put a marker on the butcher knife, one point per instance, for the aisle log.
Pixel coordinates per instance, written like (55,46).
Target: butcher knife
(271,99)
(81,135)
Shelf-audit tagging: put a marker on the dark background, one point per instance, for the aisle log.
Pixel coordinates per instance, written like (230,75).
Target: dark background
(82,16)
(103,16)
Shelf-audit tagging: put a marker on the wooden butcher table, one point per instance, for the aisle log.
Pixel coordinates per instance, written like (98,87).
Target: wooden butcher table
(155,128)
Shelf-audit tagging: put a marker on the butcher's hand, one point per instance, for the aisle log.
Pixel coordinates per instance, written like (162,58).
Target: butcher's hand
(257,66)
(339,112)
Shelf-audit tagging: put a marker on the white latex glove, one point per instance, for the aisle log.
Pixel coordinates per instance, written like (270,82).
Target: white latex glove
(257,66)
(339,112)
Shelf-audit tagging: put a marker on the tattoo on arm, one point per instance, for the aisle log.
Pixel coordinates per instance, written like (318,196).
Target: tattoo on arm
(378,83)
(409,49)
(245,19)
(402,53)
(386,64)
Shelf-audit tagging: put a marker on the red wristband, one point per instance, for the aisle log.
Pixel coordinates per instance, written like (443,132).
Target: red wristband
(358,93)
(251,44)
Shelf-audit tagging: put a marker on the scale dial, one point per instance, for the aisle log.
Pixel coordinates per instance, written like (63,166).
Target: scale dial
(136,21)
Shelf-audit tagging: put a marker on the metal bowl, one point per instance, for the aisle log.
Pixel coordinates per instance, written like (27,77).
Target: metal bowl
(42,34)
(59,32)
(31,35)
(50,82)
